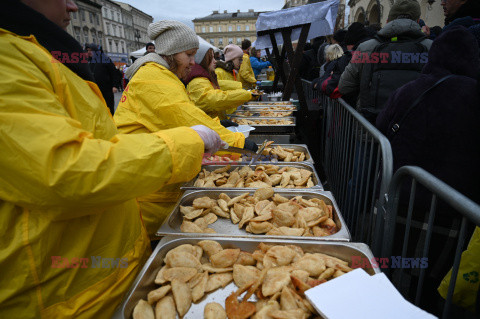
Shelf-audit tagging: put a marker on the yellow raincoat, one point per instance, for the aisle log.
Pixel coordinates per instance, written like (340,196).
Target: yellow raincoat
(67,188)
(156,99)
(215,102)
(246,75)
(223,74)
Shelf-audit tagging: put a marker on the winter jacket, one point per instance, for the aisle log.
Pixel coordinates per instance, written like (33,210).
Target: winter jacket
(258,65)
(155,100)
(106,77)
(214,102)
(72,236)
(441,134)
(246,75)
(351,81)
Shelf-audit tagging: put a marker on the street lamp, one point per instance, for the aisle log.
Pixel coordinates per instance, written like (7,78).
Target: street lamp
(137,37)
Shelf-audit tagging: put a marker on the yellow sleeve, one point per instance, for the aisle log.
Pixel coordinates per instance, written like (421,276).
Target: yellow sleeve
(223,75)
(163,104)
(229,85)
(49,160)
(247,77)
(210,100)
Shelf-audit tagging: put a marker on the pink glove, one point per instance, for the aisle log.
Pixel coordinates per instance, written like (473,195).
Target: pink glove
(210,138)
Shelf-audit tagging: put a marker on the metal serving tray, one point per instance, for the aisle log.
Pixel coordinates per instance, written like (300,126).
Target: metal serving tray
(225,227)
(259,107)
(144,283)
(308,166)
(269,128)
(280,113)
(298,148)
(269,103)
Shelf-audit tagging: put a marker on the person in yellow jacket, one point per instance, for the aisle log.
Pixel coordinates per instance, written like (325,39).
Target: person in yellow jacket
(228,69)
(246,75)
(156,99)
(72,236)
(204,90)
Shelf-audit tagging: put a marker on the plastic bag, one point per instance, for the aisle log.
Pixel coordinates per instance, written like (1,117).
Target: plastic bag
(468,279)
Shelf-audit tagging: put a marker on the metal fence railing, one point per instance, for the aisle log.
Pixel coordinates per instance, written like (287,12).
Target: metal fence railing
(437,232)
(311,96)
(358,163)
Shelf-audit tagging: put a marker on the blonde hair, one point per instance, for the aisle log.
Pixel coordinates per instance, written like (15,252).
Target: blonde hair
(333,52)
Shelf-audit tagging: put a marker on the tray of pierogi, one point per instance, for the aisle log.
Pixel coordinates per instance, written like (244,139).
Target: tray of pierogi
(263,213)
(237,278)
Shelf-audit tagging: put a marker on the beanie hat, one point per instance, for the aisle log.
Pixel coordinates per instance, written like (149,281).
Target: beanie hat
(232,51)
(356,32)
(172,37)
(339,36)
(202,50)
(405,9)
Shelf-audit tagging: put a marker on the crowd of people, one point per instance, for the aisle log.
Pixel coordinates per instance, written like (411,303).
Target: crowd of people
(81,179)
(420,87)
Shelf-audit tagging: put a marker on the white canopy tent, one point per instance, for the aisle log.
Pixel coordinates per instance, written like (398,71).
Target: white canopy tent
(321,16)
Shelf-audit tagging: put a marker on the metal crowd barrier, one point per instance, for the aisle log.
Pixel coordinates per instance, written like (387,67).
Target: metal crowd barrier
(468,213)
(358,163)
(311,96)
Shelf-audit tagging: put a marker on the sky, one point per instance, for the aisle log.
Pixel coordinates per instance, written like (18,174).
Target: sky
(187,10)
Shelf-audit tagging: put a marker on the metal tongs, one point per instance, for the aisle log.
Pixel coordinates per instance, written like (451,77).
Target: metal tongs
(255,155)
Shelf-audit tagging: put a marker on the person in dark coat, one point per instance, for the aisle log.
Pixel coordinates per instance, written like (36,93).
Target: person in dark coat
(106,75)
(440,134)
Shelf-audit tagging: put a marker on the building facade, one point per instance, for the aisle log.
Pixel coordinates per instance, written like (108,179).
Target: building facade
(294,3)
(221,29)
(141,21)
(115,44)
(87,25)
(128,29)
(376,11)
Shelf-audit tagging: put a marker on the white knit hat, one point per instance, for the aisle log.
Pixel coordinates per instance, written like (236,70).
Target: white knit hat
(202,50)
(232,51)
(172,37)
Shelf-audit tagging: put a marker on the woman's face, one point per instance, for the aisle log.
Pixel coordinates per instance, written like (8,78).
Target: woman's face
(57,11)
(213,64)
(237,62)
(185,60)
(258,54)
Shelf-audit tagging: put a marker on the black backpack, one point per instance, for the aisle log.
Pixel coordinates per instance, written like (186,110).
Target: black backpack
(404,63)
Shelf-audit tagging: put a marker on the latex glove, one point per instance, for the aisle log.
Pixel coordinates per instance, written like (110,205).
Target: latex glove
(250,145)
(227,123)
(210,138)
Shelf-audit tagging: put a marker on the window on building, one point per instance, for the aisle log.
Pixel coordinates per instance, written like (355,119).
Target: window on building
(100,38)
(117,49)
(77,32)
(239,28)
(114,30)
(97,20)
(82,14)
(212,41)
(120,31)
(219,28)
(211,29)
(111,14)
(220,41)
(239,41)
(122,45)
(90,15)
(230,28)
(247,28)
(85,35)
(108,28)
(118,17)
(94,36)
(104,12)
(110,45)
(74,15)
(230,40)
(203,29)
